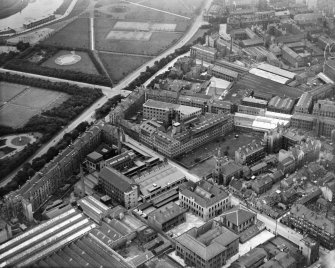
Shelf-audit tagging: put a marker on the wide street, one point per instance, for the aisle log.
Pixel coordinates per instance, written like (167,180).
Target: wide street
(88,115)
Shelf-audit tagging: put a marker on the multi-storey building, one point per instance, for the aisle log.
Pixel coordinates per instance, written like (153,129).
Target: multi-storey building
(253,102)
(319,227)
(322,91)
(223,73)
(128,106)
(292,57)
(181,140)
(304,104)
(208,246)
(44,183)
(262,184)
(225,169)
(250,154)
(244,109)
(204,199)
(329,68)
(238,219)
(207,54)
(166,112)
(324,108)
(167,217)
(119,187)
(206,104)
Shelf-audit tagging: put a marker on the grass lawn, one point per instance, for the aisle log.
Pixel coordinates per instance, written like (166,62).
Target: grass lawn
(85,65)
(181,7)
(29,102)
(9,90)
(15,116)
(158,42)
(75,35)
(119,66)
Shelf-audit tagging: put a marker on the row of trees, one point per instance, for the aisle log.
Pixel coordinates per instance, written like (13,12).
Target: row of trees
(106,108)
(29,169)
(23,64)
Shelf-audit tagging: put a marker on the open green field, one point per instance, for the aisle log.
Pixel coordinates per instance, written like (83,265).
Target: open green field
(119,66)
(158,41)
(9,91)
(182,7)
(23,102)
(85,65)
(75,35)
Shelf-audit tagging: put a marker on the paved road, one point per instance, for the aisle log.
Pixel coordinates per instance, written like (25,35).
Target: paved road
(126,54)
(92,41)
(273,225)
(108,92)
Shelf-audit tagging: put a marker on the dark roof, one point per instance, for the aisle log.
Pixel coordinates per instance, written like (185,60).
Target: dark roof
(204,193)
(117,179)
(167,213)
(259,84)
(249,259)
(238,215)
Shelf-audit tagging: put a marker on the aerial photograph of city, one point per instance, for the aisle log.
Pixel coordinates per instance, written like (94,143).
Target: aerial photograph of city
(167,133)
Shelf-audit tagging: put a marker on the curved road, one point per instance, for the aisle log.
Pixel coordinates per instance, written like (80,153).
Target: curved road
(88,114)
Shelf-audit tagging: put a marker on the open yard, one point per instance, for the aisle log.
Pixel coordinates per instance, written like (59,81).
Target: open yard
(119,66)
(191,221)
(75,35)
(229,144)
(85,65)
(24,102)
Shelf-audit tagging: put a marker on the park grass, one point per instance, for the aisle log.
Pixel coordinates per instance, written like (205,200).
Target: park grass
(85,65)
(182,7)
(75,35)
(158,42)
(28,102)
(119,66)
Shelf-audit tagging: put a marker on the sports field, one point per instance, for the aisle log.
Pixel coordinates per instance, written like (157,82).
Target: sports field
(75,35)
(128,35)
(144,26)
(119,66)
(85,65)
(20,103)
(108,40)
